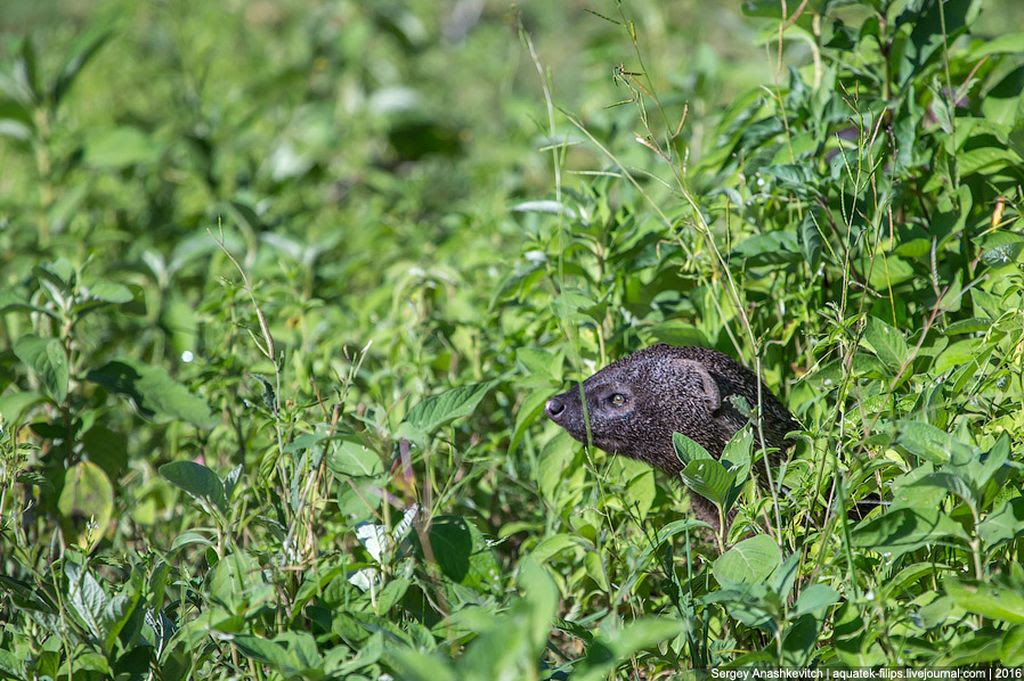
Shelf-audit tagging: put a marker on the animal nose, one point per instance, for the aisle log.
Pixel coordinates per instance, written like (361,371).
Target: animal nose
(554,408)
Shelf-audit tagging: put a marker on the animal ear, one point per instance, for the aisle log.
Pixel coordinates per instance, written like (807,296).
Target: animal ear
(704,380)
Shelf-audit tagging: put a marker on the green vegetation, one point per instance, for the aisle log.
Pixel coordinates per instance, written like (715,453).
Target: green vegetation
(284,287)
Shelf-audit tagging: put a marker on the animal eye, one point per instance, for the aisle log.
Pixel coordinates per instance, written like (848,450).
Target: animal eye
(617,400)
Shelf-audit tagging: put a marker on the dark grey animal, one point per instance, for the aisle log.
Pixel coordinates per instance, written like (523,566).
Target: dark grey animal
(635,404)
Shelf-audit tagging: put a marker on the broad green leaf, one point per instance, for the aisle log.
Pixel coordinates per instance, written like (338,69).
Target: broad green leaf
(736,456)
(45,356)
(353,459)
(749,562)
(418,666)
(543,368)
(548,547)
(784,576)
(1011,653)
(675,332)
(1004,524)
(953,484)
(688,450)
(438,410)
(529,411)
(273,654)
(119,147)
(86,502)
(121,608)
(957,354)
(359,498)
(13,406)
(988,600)
(541,593)
(709,479)
(907,529)
(87,598)
(814,599)
(12,666)
(1006,43)
(927,441)
(888,343)
(595,569)
(799,639)
(197,481)
(238,585)
(889,270)
(153,391)
(640,492)
(1002,248)
(85,49)
(110,292)
(608,652)
(933,28)
(771,248)
(188,538)
(462,553)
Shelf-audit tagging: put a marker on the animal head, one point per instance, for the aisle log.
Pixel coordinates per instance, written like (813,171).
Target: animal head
(634,405)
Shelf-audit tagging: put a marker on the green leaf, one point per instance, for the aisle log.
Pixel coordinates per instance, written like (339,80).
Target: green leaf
(953,484)
(771,248)
(86,502)
(548,547)
(120,147)
(1002,248)
(417,666)
(1004,524)
(438,410)
(462,553)
(933,27)
(353,459)
(110,292)
(799,639)
(640,491)
(45,356)
(541,593)
(709,479)
(1006,43)
(608,652)
(907,529)
(87,598)
(814,599)
(238,585)
(197,481)
(529,411)
(736,456)
(676,332)
(543,368)
(1011,653)
(889,270)
(887,342)
(749,562)
(956,354)
(269,652)
(120,609)
(153,391)
(927,441)
(85,50)
(11,665)
(988,600)
(13,406)
(688,450)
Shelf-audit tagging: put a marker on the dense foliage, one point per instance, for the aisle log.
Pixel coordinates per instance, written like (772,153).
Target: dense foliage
(283,291)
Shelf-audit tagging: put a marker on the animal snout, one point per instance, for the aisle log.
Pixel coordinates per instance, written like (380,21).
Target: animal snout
(554,408)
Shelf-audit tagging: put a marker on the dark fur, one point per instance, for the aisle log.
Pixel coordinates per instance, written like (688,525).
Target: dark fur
(667,389)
